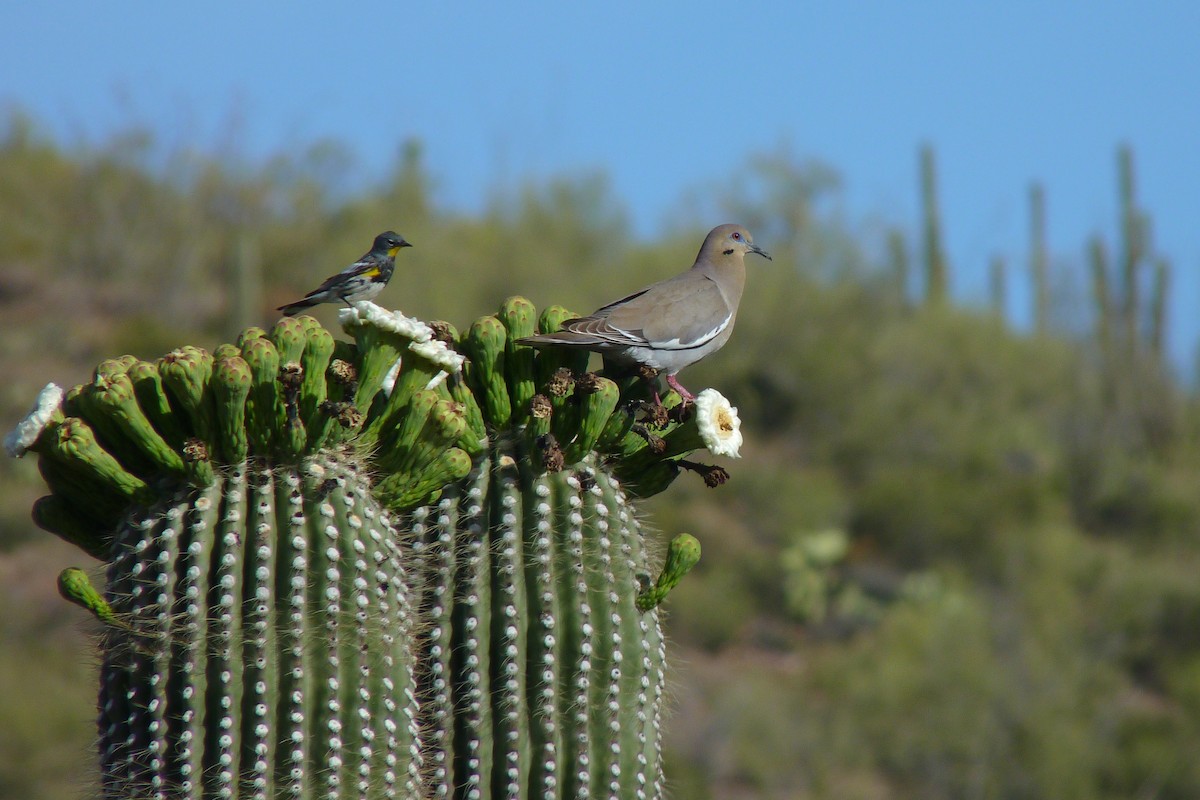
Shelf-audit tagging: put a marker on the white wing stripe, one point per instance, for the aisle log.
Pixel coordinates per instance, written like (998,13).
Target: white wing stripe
(675,344)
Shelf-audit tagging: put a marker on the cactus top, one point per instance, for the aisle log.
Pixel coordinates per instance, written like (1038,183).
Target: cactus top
(415,402)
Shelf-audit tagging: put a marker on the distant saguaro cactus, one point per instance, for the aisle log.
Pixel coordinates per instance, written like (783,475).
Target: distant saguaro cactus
(405,566)
(1129,325)
(1158,307)
(998,285)
(1135,235)
(1039,259)
(1106,330)
(936,277)
(898,267)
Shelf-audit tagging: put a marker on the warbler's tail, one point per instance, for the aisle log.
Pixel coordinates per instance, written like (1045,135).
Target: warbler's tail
(291,309)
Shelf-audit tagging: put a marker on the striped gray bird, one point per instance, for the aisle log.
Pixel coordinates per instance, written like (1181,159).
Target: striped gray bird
(362,280)
(673,323)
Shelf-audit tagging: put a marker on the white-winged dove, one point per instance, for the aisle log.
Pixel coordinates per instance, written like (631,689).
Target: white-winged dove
(672,323)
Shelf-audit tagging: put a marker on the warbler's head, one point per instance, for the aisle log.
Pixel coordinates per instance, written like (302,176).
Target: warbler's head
(389,242)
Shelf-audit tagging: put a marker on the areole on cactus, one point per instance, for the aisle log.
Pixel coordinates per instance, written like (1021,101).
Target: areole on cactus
(402,566)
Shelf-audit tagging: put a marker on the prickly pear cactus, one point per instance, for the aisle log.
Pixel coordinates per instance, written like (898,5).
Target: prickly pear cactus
(406,566)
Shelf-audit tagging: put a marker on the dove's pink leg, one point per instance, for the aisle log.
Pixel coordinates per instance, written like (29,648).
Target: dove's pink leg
(687,396)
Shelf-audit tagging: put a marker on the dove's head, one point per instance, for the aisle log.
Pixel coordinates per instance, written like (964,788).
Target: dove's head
(731,240)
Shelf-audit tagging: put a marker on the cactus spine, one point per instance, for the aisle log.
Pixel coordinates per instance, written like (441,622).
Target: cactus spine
(368,570)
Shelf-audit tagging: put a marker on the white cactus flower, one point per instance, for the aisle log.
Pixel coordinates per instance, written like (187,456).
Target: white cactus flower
(439,353)
(420,334)
(719,425)
(22,437)
(389,380)
(364,312)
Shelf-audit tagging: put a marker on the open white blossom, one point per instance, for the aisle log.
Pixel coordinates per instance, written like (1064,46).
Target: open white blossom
(719,425)
(22,437)
(420,334)
(439,353)
(365,312)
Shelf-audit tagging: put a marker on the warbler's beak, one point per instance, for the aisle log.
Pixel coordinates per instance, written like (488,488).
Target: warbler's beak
(403,243)
(756,249)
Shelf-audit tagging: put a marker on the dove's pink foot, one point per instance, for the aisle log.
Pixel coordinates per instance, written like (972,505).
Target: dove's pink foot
(687,396)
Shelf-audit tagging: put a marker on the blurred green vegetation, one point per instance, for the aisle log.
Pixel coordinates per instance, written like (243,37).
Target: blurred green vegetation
(956,560)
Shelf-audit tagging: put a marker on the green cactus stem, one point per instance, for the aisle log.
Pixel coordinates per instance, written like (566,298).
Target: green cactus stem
(52,513)
(304,537)
(540,677)
(263,651)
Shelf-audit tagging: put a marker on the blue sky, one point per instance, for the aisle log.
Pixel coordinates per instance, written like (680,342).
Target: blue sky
(667,96)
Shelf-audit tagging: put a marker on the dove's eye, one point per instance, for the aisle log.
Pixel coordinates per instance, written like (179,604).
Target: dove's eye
(737,236)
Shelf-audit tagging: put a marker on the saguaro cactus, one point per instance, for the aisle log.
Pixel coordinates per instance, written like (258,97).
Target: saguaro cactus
(936,269)
(1039,259)
(378,569)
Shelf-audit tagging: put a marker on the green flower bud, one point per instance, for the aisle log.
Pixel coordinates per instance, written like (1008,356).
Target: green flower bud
(318,350)
(231,382)
(484,344)
(266,418)
(72,442)
(75,587)
(185,374)
(248,335)
(226,350)
(289,338)
(403,490)
(598,400)
(519,317)
(474,438)
(152,397)
(403,434)
(113,406)
(682,554)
